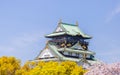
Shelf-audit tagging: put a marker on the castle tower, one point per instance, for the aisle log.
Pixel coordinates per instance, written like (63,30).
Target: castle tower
(67,42)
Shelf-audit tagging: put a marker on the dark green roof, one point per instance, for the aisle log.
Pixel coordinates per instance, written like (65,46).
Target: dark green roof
(62,57)
(77,51)
(55,34)
(69,29)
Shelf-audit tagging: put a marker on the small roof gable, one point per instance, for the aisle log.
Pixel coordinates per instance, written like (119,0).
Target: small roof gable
(59,29)
(46,53)
(77,46)
(69,29)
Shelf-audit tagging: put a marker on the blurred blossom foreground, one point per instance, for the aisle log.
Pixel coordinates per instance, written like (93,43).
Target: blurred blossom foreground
(104,69)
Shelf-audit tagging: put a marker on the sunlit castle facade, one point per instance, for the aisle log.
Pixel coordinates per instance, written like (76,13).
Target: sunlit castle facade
(67,43)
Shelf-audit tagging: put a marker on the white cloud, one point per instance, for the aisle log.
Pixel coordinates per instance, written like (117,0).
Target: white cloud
(108,50)
(22,46)
(110,47)
(18,42)
(113,13)
(25,40)
(6,48)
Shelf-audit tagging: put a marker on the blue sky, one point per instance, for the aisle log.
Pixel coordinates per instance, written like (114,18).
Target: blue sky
(23,24)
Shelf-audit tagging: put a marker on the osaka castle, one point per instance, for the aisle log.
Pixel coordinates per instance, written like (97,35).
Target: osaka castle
(67,43)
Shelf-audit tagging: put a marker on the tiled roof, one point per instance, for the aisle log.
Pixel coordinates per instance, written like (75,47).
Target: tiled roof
(69,29)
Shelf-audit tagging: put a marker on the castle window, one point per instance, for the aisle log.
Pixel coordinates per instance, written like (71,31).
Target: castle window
(77,54)
(70,53)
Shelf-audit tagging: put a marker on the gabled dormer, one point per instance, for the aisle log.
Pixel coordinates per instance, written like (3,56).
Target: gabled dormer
(59,28)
